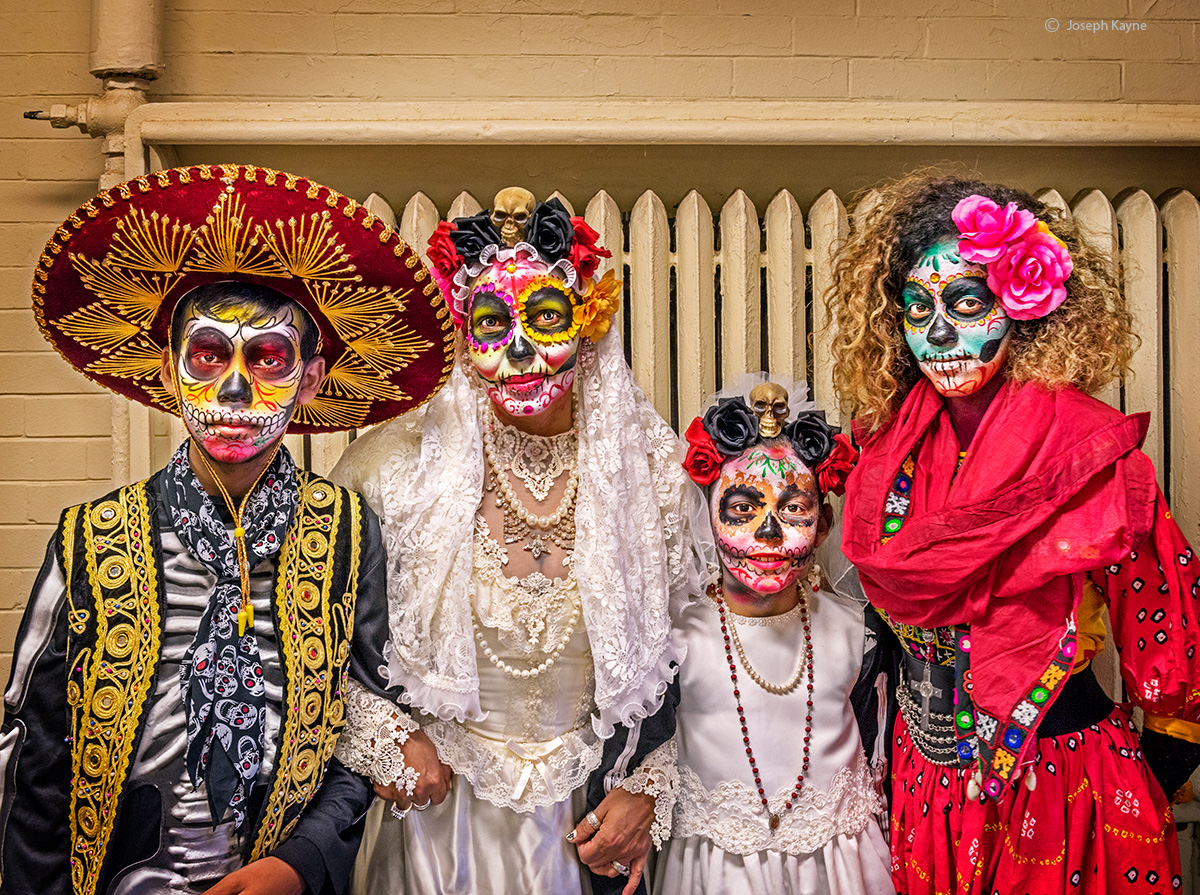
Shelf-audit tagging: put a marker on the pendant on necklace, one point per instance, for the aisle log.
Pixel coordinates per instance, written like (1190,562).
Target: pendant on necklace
(537,545)
(774,822)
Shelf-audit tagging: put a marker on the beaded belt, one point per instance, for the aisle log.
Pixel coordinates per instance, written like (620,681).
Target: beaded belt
(926,697)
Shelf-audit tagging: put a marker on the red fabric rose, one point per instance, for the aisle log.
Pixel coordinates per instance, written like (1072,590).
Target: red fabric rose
(703,461)
(442,253)
(834,469)
(585,255)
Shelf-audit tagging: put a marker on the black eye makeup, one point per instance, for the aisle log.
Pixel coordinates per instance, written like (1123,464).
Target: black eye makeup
(740,503)
(491,318)
(968,298)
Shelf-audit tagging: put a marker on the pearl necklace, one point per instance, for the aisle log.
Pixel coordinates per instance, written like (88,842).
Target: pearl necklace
(546,664)
(509,496)
(715,595)
(812,579)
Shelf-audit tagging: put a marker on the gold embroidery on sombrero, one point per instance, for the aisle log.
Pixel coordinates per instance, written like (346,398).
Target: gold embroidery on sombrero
(135,295)
(139,360)
(351,376)
(152,243)
(387,348)
(95,326)
(352,310)
(306,246)
(329,410)
(228,243)
(315,628)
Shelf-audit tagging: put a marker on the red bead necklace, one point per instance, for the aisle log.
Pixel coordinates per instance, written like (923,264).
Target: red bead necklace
(714,592)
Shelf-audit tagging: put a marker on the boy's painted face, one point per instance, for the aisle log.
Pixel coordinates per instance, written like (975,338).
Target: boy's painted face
(239,381)
(522,336)
(954,325)
(766,514)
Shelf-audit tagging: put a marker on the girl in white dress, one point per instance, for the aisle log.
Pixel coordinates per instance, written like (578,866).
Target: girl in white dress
(776,794)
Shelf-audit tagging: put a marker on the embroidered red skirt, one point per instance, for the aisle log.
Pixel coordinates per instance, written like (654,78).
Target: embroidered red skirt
(1096,822)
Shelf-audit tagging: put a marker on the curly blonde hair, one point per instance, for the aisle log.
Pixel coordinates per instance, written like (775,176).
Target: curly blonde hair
(1087,341)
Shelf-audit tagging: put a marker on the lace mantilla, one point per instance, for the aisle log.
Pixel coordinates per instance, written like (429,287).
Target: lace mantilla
(658,776)
(536,460)
(372,742)
(531,614)
(638,521)
(733,818)
(520,776)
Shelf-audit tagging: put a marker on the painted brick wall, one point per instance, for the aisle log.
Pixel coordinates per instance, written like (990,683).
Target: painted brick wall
(54,426)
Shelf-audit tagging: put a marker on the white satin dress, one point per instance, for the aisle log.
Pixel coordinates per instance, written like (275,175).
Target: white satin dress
(520,772)
(830,842)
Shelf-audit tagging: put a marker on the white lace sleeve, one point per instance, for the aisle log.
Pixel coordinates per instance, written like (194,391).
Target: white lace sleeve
(375,733)
(658,776)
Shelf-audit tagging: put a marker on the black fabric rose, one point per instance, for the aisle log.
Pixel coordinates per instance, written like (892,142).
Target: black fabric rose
(732,426)
(549,230)
(472,235)
(811,436)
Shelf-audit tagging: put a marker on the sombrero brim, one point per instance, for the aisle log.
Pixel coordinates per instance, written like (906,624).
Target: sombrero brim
(111,276)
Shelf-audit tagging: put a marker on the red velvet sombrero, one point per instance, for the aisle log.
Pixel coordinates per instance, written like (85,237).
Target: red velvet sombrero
(111,275)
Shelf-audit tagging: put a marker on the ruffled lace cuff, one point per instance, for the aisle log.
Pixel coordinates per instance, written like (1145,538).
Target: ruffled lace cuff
(658,776)
(372,742)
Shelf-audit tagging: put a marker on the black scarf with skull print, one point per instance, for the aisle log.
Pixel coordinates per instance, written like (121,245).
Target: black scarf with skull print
(221,676)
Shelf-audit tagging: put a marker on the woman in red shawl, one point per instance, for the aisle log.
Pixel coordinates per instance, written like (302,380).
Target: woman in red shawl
(996,510)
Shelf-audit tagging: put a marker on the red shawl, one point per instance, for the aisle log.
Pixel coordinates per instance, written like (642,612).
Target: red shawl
(1052,486)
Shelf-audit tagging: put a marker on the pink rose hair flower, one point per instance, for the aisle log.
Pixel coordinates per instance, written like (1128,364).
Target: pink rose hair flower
(1027,265)
(986,230)
(1029,277)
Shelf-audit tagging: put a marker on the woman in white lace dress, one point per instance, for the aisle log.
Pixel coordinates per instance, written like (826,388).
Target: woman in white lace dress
(776,794)
(538,527)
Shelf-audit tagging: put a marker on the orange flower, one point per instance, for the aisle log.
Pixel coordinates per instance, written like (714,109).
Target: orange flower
(594,314)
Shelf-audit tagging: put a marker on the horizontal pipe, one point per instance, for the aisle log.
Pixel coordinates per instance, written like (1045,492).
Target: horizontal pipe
(699,123)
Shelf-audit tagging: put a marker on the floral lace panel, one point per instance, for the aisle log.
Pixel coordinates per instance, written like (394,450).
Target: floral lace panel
(535,460)
(658,776)
(531,614)
(373,740)
(520,776)
(733,818)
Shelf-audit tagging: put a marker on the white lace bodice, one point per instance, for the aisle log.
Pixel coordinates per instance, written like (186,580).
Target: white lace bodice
(717,795)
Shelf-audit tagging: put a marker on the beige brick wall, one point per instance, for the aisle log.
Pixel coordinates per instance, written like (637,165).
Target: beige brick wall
(54,426)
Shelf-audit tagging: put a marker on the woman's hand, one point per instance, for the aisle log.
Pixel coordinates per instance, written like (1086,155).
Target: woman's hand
(433,783)
(623,837)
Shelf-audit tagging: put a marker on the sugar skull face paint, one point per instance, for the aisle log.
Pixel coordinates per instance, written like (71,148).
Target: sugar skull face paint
(954,326)
(523,336)
(239,380)
(766,515)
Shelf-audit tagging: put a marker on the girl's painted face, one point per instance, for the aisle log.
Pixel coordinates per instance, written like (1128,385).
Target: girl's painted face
(765,514)
(954,326)
(239,381)
(522,336)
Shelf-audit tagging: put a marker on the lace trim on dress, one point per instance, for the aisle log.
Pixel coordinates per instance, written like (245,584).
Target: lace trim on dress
(733,817)
(372,741)
(531,614)
(519,776)
(536,460)
(658,776)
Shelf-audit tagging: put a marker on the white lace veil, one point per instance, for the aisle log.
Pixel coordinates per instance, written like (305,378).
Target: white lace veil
(637,558)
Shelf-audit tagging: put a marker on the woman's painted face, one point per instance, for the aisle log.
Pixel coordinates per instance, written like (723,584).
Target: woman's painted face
(954,326)
(522,337)
(239,381)
(766,512)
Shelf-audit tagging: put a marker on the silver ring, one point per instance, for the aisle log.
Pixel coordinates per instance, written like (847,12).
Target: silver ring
(622,869)
(398,812)
(428,802)
(591,818)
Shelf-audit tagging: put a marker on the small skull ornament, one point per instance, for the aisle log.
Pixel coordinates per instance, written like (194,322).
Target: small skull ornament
(770,402)
(510,210)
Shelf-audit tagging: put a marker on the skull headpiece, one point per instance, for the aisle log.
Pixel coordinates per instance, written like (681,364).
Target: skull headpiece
(510,210)
(769,402)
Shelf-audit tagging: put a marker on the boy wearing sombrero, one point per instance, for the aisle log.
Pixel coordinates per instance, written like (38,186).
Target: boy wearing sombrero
(179,676)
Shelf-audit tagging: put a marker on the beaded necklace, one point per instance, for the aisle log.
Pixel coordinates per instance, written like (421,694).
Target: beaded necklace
(715,594)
